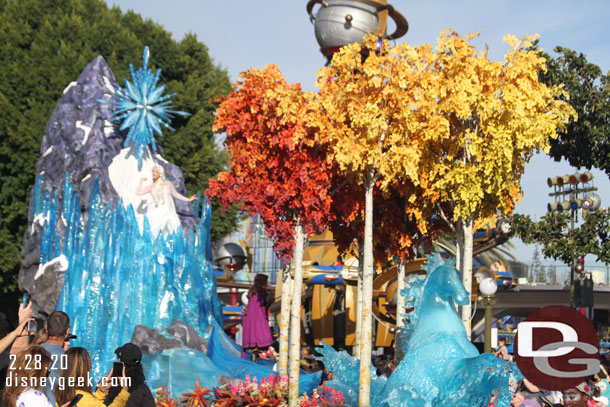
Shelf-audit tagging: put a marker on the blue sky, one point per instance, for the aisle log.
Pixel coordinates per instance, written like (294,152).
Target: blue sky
(242,34)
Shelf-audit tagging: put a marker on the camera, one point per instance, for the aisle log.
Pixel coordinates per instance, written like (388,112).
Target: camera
(117,369)
(32,326)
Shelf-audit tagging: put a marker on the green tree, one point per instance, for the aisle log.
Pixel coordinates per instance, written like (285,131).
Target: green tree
(560,241)
(584,142)
(45,45)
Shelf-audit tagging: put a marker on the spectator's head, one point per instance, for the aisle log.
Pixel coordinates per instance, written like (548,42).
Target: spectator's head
(305,352)
(601,401)
(58,325)
(78,366)
(577,396)
(21,375)
(129,354)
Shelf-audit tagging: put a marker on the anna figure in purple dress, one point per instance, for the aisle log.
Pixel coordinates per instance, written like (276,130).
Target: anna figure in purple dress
(256,332)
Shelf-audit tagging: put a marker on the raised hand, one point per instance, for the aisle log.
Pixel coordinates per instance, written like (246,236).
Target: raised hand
(25,312)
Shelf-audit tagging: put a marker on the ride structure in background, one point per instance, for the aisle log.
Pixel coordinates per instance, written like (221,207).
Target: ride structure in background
(330,289)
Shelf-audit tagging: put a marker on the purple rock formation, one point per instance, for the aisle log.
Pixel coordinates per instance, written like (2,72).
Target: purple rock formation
(81,141)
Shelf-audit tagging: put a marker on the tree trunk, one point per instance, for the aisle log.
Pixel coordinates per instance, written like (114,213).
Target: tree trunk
(466,270)
(459,249)
(295,318)
(359,299)
(367,295)
(285,321)
(400,308)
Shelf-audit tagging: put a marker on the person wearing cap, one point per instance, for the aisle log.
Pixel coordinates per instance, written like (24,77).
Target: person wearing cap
(140,395)
(577,396)
(57,329)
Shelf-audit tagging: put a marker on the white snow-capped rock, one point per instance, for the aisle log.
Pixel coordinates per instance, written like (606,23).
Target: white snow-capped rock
(61,262)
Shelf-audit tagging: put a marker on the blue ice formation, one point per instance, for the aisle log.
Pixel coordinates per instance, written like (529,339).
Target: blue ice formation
(440,365)
(118,278)
(143,107)
(347,373)
(177,368)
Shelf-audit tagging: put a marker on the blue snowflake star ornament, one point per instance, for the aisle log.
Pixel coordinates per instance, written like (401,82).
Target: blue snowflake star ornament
(143,107)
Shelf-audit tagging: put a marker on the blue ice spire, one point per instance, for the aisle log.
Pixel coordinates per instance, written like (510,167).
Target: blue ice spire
(143,107)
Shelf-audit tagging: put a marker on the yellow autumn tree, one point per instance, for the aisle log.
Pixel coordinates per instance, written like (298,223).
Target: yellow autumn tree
(372,109)
(455,125)
(491,117)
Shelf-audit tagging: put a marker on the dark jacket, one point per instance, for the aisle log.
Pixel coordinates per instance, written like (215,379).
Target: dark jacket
(140,396)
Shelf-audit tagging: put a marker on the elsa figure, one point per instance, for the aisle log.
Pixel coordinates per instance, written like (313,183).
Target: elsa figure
(161,214)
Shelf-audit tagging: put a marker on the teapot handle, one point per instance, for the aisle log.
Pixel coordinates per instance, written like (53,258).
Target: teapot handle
(402,26)
(310,6)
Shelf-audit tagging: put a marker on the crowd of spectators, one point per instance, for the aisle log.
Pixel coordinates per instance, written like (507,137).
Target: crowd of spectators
(38,368)
(593,392)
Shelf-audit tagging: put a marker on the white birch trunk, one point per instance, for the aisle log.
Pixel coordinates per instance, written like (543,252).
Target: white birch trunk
(367,296)
(400,308)
(359,299)
(459,249)
(295,318)
(459,255)
(466,270)
(285,321)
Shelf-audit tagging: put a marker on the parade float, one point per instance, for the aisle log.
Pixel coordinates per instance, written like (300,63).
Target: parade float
(126,265)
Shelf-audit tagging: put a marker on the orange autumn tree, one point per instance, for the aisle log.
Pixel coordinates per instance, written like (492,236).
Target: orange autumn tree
(277,171)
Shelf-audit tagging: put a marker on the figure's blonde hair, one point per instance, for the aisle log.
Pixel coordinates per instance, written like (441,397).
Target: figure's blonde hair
(161,171)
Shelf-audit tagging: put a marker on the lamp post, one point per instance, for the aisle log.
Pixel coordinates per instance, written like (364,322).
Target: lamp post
(488,288)
(569,192)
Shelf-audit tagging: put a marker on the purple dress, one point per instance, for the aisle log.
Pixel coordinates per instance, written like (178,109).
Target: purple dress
(256,332)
